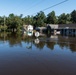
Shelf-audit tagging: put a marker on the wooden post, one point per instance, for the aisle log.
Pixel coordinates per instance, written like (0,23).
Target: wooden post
(4,23)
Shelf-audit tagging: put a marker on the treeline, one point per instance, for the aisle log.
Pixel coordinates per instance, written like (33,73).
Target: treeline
(15,22)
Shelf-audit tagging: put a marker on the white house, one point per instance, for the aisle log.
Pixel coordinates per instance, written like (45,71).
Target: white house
(29,30)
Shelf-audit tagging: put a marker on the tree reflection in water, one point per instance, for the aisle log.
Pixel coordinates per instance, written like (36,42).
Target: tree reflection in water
(15,39)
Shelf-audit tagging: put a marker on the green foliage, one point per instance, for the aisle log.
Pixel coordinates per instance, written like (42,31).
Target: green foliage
(27,20)
(1,20)
(51,18)
(68,18)
(62,19)
(39,19)
(73,16)
(15,23)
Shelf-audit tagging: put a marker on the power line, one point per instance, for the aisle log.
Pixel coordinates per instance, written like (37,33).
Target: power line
(35,5)
(53,6)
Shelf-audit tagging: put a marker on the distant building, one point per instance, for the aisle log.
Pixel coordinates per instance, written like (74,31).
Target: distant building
(28,29)
(68,29)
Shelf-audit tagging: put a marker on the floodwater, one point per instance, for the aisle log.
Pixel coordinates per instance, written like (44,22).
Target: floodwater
(23,55)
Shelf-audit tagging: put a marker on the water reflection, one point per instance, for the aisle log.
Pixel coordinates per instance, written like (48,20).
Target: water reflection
(24,55)
(15,39)
(36,41)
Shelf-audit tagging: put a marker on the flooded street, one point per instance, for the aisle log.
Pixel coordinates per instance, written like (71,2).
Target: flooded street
(23,55)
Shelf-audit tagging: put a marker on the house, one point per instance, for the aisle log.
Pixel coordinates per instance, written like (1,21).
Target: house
(68,29)
(28,30)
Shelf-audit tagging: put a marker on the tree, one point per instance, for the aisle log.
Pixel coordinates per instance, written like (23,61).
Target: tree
(1,20)
(68,18)
(39,19)
(73,16)
(2,23)
(27,20)
(14,22)
(51,18)
(62,19)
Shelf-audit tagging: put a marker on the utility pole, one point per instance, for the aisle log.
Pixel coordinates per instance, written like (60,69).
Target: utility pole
(4,28)
(4,23)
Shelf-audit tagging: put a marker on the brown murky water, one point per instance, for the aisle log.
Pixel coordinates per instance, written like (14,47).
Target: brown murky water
(23,55)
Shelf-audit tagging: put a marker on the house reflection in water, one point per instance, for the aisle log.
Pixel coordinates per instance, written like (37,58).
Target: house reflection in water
(41,42)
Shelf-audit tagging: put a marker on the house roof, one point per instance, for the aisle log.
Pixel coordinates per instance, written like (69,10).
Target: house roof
(67,26)
(63,26)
